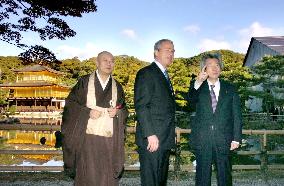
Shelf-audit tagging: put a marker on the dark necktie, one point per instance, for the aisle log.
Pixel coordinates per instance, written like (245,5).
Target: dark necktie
(213,98)
(168,80)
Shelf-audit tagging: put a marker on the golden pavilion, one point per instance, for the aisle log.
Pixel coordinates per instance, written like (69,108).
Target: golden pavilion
(37,88)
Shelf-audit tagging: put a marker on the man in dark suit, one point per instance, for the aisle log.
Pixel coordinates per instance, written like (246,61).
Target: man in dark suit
(217,126)
(155,109)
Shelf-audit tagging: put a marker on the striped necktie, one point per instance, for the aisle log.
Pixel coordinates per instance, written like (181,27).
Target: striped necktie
(213,98)
(168,80)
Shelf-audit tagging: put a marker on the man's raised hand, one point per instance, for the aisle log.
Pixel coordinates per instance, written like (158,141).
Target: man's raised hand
(202,75)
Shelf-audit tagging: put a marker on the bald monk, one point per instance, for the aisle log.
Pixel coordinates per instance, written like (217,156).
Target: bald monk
(93,126)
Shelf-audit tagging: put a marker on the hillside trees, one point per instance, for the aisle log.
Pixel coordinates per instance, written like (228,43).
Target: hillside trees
(237,74)
(182,71)
(7,65)
(125,71)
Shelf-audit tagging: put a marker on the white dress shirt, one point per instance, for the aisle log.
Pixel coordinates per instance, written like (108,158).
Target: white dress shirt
(161,67)
(216,88)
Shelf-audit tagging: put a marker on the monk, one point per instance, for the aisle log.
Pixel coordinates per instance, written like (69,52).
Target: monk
(93,127)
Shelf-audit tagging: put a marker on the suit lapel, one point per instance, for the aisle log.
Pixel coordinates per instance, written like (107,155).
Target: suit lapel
(162,77)
(222,94)
(205,96)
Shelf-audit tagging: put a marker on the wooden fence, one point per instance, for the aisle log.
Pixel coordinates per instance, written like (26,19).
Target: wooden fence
(177,167)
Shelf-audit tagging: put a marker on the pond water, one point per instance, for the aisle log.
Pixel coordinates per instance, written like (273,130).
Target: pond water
(30,140)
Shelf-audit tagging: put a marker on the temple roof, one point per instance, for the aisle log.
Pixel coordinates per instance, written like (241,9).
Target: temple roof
(274,42)
(262,46)
(37,68)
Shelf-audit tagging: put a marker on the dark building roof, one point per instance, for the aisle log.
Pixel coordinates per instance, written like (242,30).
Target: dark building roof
(261,46)
(274,42)
(31,84)
(37,68)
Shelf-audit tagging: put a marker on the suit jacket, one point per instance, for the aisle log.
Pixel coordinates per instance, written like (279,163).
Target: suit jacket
(155,107)
(221,127)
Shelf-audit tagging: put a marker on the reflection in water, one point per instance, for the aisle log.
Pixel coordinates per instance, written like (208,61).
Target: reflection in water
(30,140)
(49,163)
(28,137)
(40,121)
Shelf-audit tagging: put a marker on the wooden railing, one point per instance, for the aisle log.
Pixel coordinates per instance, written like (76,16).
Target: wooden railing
(37,109)
(263,152)
(177,167)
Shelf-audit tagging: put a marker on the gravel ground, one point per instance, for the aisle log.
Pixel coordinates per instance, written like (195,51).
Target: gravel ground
(275,178)
(136,181)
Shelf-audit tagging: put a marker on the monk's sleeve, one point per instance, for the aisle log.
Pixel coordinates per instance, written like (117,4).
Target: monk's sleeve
(77,96)
(121,104)
(74,119)
(74,107)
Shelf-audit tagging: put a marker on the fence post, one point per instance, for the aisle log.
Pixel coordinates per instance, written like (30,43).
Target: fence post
(177,155)
(263,155)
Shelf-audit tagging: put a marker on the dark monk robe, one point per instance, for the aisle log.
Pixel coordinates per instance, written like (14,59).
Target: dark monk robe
(95,160)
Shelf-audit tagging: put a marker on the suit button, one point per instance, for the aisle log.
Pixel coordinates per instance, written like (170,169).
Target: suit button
(212,127)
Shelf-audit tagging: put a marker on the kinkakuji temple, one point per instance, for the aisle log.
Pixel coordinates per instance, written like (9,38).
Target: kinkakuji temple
(37,89)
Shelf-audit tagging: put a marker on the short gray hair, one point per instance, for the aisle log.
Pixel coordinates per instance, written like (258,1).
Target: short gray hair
(158,44)
(211,56)
(104,53)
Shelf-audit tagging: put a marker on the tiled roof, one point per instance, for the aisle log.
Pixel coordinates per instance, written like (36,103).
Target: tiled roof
(274,42)
(37,68)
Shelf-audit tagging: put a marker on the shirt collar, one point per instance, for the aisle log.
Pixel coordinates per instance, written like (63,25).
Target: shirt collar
(103,84)
(217,83)
(160,66)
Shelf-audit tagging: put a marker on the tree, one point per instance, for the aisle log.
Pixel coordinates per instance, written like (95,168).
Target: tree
(42,17)
(71,68)
(236,73)
(269,74)
(7,65)
(88,66)
(181,72)
(125,71)
(3,98)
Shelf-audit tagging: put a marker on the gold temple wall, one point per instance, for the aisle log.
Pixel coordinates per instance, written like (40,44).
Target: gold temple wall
(51,91)
(37,76)
(39,91)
